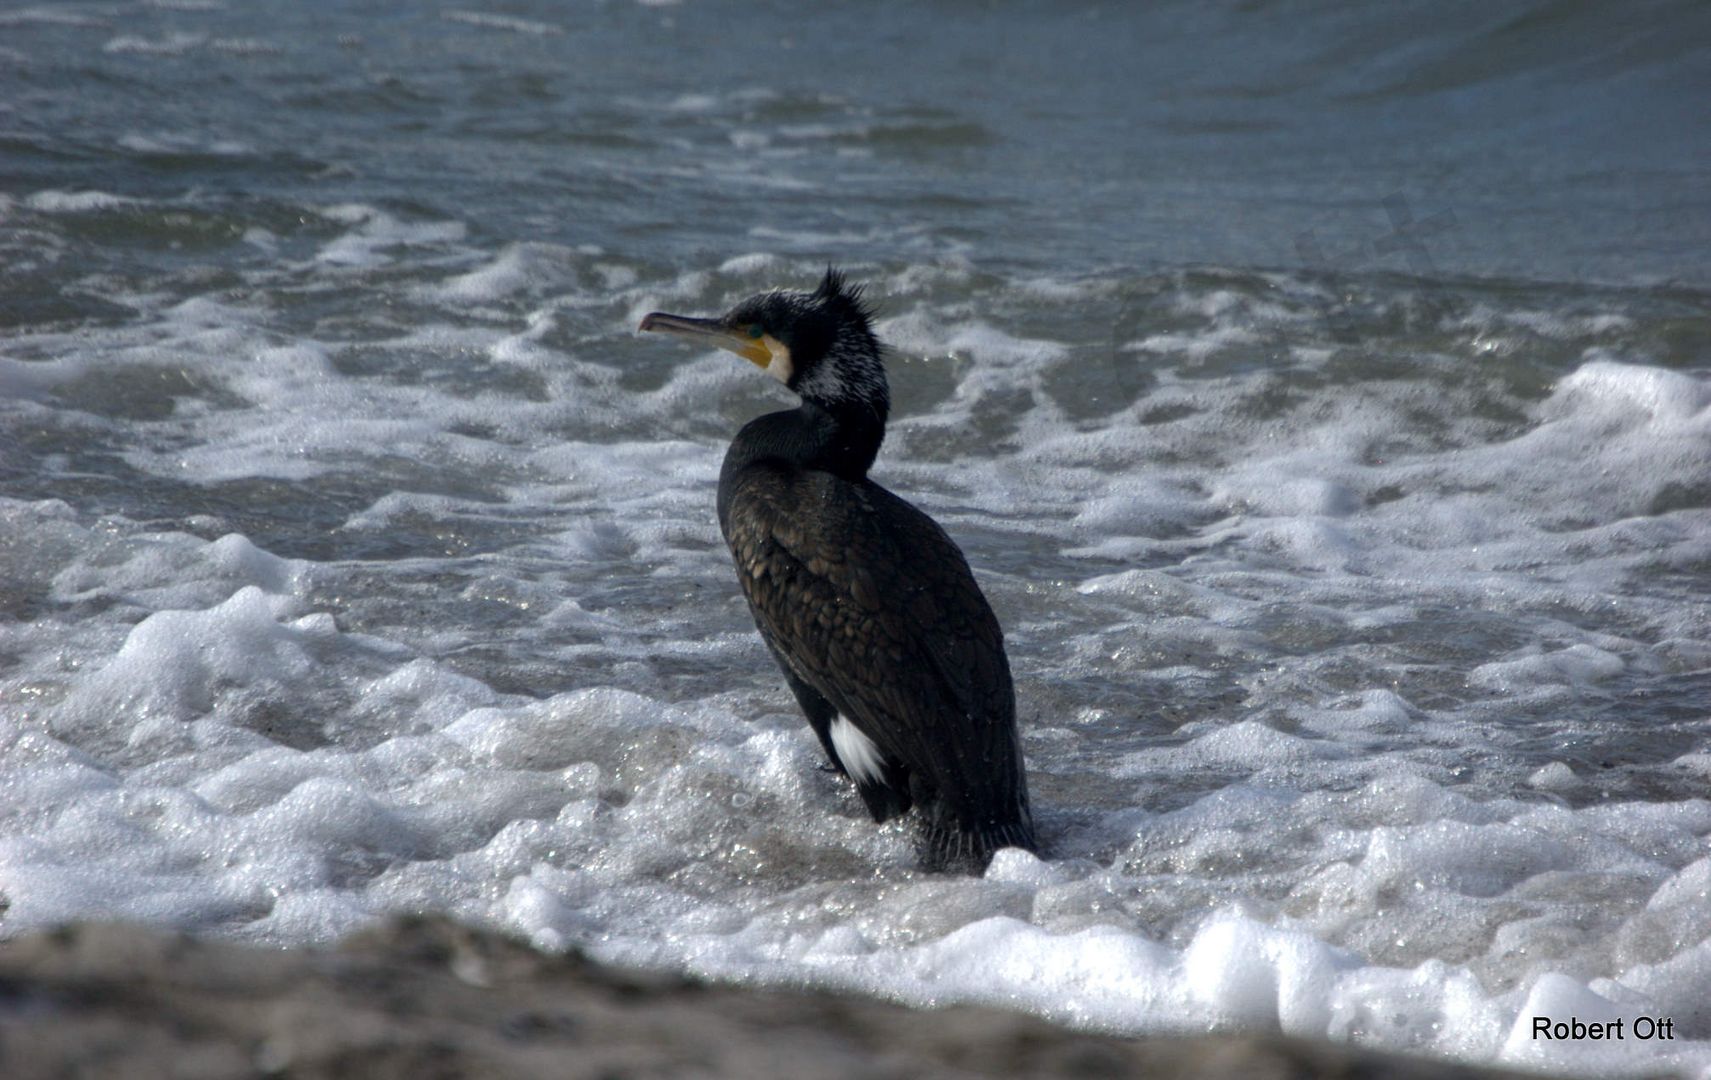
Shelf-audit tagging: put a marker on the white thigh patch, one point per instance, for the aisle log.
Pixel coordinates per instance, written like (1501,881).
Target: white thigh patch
(860,756)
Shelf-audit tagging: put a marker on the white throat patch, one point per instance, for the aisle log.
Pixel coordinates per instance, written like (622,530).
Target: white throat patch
(860,757)
(780,367)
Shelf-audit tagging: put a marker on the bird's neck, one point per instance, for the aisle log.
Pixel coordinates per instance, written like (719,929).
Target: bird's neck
(840,439)
(847,437)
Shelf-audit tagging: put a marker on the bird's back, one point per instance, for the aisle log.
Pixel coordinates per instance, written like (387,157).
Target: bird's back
(869,602)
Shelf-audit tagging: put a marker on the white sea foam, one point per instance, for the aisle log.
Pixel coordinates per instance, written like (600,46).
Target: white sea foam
(518,268)
(75,202)
(47,16)
(376,231)
(1316,671)
(173,44)
(178,143)
(510,23)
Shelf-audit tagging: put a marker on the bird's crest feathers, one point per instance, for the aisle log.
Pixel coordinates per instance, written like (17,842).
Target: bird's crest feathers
(835,291)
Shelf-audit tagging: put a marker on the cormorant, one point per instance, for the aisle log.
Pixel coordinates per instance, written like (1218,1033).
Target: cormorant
(870,609)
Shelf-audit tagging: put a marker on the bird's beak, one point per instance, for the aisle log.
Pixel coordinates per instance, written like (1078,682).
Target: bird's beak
(711,332)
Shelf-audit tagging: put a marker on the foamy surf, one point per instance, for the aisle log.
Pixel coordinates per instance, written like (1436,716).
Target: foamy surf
(1360,709)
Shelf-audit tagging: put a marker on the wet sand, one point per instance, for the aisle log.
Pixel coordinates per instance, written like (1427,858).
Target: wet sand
(428,998)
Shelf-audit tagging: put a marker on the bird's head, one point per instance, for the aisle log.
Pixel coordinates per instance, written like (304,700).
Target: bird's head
(818,344)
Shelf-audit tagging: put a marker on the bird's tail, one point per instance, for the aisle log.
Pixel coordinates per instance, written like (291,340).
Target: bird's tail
(949,845)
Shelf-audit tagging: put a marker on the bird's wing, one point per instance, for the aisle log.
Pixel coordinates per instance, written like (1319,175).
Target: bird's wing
(874,606)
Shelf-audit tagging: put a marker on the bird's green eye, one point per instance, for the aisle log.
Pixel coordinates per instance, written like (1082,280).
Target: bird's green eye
(755,331)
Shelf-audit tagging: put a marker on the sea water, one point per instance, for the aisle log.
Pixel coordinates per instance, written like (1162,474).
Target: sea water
(1322,397)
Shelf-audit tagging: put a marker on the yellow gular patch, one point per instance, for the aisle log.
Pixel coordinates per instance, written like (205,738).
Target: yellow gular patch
(752,351)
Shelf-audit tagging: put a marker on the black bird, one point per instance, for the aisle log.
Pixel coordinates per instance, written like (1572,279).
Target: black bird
(867,605)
